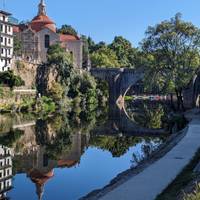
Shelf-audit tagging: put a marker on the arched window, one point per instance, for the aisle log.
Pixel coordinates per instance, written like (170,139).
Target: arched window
(46,41)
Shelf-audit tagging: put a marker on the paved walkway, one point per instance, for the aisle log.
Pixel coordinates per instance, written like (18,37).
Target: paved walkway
(155,178)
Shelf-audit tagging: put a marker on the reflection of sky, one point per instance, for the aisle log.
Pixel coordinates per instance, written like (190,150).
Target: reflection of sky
(95,170)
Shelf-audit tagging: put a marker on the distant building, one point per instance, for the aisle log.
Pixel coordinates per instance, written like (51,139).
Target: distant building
(6,44)
(37,35)
(5,171)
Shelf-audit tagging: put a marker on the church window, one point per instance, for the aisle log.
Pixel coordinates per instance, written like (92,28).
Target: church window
(45,160)
(46,41)
(1,27)
(1,39)
(4,18)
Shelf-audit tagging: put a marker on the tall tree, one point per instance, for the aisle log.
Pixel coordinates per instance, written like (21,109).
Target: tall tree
(17,51)
(67,29)
(104,57)
(86,55)
(124,51)
(173,48)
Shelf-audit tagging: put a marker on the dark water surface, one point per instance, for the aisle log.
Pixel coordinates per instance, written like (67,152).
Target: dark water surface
(66,156)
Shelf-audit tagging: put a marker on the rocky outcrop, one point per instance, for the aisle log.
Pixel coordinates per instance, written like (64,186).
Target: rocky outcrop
(45,77)
(27,71)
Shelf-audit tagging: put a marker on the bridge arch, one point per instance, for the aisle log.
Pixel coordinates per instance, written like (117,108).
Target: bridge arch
(196,90)
(119,81)
(191,94)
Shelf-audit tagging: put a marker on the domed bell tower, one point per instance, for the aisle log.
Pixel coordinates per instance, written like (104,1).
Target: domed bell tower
(42,8)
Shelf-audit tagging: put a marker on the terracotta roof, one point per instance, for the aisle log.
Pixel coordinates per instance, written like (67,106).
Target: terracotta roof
(66,163)
(42,21)
(65,38)
(40,178)
(16,29)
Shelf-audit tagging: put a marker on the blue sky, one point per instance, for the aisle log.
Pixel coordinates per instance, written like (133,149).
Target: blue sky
(104,19)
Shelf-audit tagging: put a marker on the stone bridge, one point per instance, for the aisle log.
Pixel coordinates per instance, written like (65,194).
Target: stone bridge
(119,80)
(191,95)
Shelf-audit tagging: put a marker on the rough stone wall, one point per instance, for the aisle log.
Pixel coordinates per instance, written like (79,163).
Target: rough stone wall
(54,38)
(188,97)
(75,47)
(29,45)
(45,77)
(191,95)
(33,46)
(27,71)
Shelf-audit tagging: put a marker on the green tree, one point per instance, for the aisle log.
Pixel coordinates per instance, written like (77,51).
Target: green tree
(173,48)
(104,57)
(86,54)
(8,78)
(68,30)
(17,49)
(124,51)
(61,61)
(56,91)
(59,66)
(91,44)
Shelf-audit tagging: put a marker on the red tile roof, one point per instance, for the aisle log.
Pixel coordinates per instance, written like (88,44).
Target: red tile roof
(66,163)
(65,38)
(42,21)
(39,177)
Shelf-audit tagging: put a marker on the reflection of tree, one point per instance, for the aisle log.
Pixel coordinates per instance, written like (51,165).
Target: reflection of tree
(54,134)
(10,138)
(147,148)
(62,143)
(147,114)
(118,146)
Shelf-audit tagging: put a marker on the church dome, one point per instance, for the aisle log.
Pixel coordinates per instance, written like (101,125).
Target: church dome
(42,21)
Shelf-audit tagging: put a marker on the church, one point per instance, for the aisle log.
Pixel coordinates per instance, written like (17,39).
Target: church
(37,35)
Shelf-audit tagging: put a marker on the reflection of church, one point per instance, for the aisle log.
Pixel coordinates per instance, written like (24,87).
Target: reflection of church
(35,162)
(37,35)
(5,171)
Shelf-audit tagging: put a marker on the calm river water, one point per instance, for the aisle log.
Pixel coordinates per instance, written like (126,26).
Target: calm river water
(65,157)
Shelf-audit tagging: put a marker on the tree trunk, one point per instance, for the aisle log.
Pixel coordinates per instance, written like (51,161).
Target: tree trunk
(180,103)
(172,102)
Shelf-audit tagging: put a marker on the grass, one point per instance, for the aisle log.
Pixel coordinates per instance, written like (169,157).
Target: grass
(194,195)
(182,180)
(128,98)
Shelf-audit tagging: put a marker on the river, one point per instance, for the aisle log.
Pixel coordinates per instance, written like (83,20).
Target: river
(66,157)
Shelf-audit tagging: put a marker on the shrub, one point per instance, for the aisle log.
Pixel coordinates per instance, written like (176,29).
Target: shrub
(8,78)
(56,91)
(45,105)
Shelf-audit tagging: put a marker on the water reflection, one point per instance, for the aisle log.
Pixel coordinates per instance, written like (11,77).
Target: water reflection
(149,114)
(5,171)
(65,151)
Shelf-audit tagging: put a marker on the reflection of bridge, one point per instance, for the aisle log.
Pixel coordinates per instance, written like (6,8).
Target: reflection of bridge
(119,81)
(119,123)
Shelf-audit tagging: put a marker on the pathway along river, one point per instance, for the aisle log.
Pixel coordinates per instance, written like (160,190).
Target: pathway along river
(63,158)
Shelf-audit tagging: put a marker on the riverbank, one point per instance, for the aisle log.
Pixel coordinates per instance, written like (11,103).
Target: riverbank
(170,162)
(185,186)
